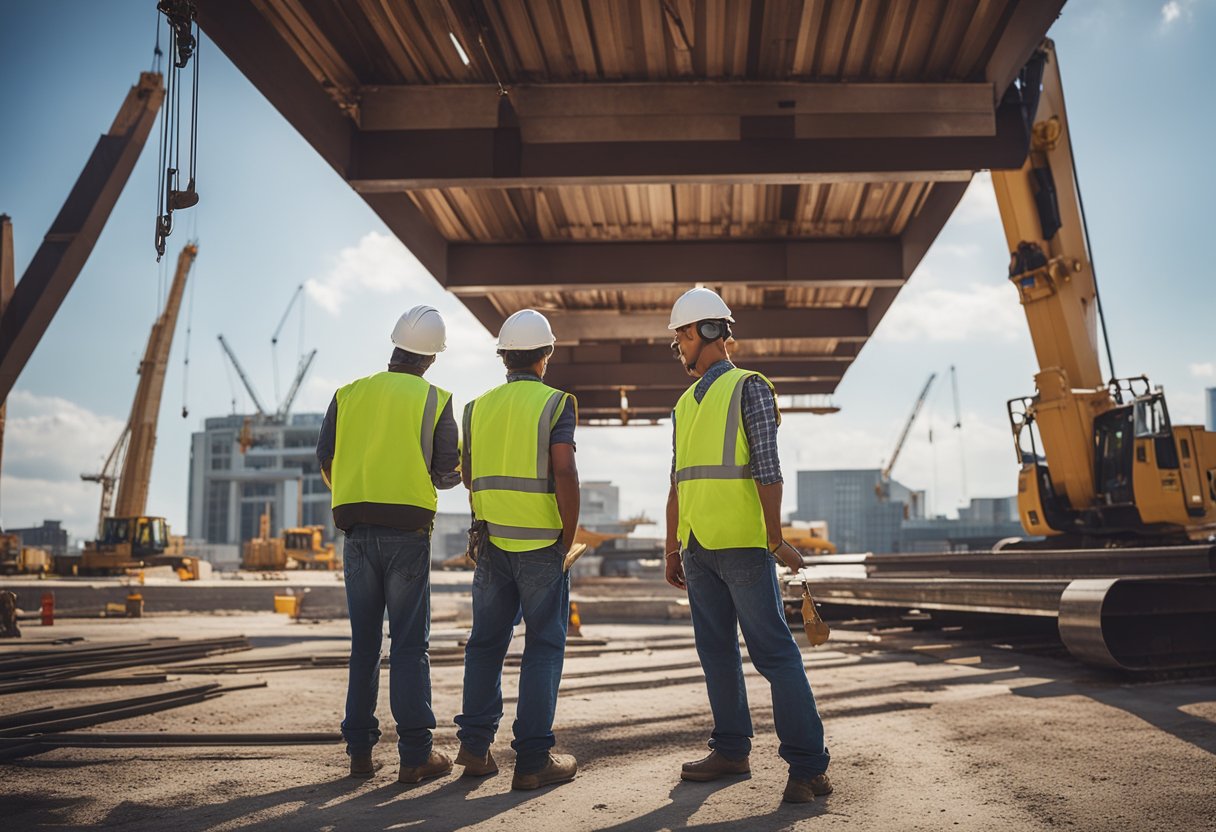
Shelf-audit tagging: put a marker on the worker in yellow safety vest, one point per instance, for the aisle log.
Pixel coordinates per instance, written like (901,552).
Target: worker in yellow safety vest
(387,442)
(723,533)
(517,460)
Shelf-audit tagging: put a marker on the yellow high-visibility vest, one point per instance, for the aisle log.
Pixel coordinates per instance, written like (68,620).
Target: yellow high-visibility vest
(505,450)
(719,502)
(384,441)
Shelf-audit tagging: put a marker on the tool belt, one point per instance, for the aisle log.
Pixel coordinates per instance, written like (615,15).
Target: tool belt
(479,537)
(817,630)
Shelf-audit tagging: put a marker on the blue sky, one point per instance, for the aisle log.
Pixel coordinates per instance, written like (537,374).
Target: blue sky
(273,215)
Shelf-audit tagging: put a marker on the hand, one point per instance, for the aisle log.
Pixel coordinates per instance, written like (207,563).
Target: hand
(675,571)
(788,555)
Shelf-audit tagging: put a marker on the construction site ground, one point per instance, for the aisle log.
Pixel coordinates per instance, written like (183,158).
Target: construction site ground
(928,730)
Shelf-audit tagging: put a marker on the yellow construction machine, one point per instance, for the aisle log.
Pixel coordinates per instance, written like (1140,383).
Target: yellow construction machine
(810,539)
(127,537)
(301,547)
(18,559)
(305,546)
(1100,459)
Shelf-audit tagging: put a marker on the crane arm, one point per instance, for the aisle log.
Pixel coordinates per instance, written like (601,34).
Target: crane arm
(145,409)
(903,436)
(240,371)
(285,407)
(274,339)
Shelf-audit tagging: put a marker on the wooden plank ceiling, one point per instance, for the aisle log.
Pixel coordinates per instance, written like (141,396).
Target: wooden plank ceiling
(596,158)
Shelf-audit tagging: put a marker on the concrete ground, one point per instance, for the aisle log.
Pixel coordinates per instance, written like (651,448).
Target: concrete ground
(927,731)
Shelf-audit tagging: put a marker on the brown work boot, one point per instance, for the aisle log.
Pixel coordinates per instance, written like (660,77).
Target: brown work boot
(361,764)
(713,767)
(804,791)
(561,768)
(475,765)
(436,765)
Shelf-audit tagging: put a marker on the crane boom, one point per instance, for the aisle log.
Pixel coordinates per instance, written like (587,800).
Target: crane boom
(903,436)
(1111,464)
(285,407)
(145,409)
(240,371)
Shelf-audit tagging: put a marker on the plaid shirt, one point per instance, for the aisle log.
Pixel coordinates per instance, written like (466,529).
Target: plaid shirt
(759,424)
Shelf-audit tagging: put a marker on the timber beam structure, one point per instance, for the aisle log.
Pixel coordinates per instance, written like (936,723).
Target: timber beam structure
(800,158)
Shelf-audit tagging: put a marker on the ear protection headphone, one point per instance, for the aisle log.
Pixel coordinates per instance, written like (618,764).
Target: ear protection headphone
(713,330)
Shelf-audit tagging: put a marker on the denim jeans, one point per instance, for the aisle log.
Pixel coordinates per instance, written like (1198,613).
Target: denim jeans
(503,582)
(740,585)
(389,569)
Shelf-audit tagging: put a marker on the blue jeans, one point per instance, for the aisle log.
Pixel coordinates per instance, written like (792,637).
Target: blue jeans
(389,569)
(740,585)
(504,582)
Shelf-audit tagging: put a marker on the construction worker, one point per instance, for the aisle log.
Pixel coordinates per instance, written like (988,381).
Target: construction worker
(723,533)
(387,442)
(517,460)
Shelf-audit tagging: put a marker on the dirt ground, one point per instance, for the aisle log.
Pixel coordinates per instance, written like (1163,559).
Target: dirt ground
(926,731)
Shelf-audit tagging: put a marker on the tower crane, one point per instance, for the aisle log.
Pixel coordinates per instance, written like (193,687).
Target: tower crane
(883,489)
(126,536)
(240,371)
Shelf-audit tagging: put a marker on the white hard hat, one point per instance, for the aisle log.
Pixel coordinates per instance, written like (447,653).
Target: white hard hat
(698,304)
(527,329)
(421,330)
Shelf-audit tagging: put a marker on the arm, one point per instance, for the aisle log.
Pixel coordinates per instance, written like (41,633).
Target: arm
(674,569)
(328,440)
(565,479)
(760,423)
(446,459)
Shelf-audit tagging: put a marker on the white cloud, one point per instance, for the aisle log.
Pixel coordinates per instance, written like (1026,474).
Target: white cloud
(1205,369)
(1175,10)
(378,264)
(48,443)
(978,204)
(940,313)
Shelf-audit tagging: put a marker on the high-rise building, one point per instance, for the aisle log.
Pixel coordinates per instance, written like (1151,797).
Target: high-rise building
(51,535)
(979,526)
(858,519)
(1209,397)
(230,489)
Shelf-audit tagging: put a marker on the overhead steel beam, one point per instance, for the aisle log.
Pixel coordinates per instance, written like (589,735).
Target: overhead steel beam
(478,269)
(578,327)
(395,160)
(707,111)
(671,374)
(70,240)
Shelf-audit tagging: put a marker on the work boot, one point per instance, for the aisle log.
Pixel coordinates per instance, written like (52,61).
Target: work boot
(713,767)
(798,790)
(561,768)
(436,765)
(361,764)
(476,765)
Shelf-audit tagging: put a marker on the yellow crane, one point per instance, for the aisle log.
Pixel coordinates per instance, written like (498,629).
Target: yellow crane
(1111,463)
(127,538)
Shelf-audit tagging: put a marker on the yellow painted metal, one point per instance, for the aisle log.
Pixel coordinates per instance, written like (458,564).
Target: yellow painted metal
(1059,298)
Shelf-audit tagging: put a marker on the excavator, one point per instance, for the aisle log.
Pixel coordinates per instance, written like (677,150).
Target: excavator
(1102,464)
(128,538)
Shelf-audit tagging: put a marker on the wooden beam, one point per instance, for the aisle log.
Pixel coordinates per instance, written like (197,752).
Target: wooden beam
(557,113)
(70,240)
(666,398)
(613,326)
(258,50)
(1021,35)
(670,374)
(660,354)
(480,268)
(476,157)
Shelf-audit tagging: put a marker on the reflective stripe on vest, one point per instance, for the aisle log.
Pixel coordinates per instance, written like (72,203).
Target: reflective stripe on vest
(718,499)
(505,449)
(385,441)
